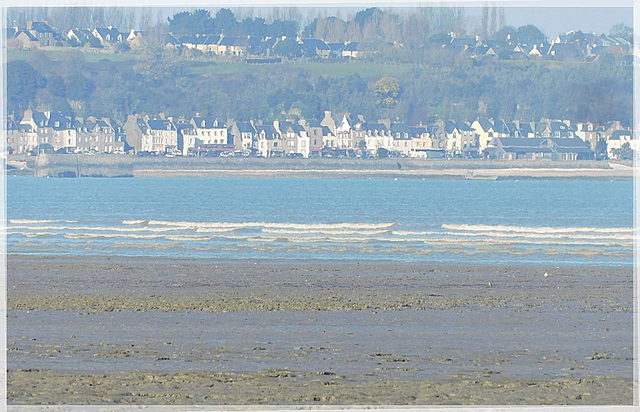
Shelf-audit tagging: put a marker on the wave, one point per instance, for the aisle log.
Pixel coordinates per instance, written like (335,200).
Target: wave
(272,225)
(38,221)
(327,231)
(536,229)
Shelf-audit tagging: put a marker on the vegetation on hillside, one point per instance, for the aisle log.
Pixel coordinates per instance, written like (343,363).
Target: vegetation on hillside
(429,85)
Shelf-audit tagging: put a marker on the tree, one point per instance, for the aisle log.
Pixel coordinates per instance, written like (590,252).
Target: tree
(601,149)
(625,152)
(23,81)
(184,23)
(56,86)
(386,91)
(225,21)
(79,87)
(288,47)
(530,34)
(621,30)
(156,60)
(363,16)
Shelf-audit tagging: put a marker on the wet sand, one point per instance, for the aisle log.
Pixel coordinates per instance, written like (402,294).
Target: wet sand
(176,332)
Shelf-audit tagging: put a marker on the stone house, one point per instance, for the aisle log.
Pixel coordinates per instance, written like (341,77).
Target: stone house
(41,31)
(377,136)
(210,131)
(402,138)
(157,135)
(617,139)
(269,142)
(243,136)
(108,35)
(483,128)
(316,133)
(97,135)
(295,138)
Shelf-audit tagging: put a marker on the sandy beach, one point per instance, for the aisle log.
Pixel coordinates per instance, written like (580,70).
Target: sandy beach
(114,330)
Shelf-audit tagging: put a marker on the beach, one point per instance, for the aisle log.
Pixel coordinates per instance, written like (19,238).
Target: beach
(125,330)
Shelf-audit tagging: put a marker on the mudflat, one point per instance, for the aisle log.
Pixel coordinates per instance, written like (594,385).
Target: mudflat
(116,330)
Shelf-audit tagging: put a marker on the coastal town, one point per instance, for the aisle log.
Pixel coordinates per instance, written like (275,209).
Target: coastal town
(287,131)
(335,135)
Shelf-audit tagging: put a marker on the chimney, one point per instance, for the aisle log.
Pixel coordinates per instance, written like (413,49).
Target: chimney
(29,25)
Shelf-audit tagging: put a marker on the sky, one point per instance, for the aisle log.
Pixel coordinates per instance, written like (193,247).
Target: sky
(551,20)
(551,16)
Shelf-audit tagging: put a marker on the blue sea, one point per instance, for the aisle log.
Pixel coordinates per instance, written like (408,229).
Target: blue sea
(468,221)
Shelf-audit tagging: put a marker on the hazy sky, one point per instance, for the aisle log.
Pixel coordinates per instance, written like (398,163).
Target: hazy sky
(551,16)
(551,20)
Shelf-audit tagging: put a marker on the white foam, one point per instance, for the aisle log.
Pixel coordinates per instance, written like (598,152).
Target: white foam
(535,229)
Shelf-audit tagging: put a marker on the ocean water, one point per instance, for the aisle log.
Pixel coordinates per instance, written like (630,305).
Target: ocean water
(534,221)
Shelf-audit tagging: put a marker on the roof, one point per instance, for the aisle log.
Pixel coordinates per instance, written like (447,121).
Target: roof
(245,127)
(501,127)
(525,129)
(379,127)
(30,36)
(11,125)
(315,43)
(269,132)
(464,127)
(351,46)
(106,33)
(573,143)
(296,128)
(234,41)
(81,33)
(560,127)
(400,128)
(59,121)
(485,124)
(523,143)
(619,133)
(208,123)
(39,118)
(260,46)
(161,124)
(418,130)
(41,27)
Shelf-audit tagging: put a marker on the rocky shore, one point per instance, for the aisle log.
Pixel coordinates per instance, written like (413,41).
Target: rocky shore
(114,330)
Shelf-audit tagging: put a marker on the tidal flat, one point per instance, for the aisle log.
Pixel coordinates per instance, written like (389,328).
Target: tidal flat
(125,330)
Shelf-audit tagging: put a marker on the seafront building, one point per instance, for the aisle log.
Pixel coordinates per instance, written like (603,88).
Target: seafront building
(335,135)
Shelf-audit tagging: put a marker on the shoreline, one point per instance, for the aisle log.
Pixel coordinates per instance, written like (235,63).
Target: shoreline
(145,331)
(130,166)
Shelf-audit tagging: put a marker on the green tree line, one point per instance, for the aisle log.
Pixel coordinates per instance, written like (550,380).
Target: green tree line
(464,90)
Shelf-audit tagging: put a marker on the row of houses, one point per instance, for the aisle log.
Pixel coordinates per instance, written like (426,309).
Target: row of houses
(55,131)
(40,34)
(335,132)
(573,45)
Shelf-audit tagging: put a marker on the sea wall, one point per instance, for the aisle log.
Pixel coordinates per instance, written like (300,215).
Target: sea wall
(71,165)
(68,165)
